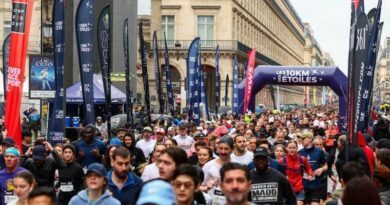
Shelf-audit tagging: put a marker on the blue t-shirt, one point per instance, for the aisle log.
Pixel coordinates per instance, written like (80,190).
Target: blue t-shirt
(273,163)
(6,185)
(87,148)
(317,159)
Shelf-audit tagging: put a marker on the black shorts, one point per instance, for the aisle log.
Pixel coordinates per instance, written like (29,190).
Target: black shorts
(312,196)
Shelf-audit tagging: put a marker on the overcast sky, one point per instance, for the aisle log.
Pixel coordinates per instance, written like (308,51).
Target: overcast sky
(329,20)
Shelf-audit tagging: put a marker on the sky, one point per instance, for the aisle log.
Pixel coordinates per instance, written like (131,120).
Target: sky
(329,20)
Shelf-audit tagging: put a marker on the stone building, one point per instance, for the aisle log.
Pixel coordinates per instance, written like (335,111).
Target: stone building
(272,27)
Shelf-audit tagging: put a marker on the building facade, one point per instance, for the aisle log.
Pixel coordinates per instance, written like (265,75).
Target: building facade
(272,27)
(382,75)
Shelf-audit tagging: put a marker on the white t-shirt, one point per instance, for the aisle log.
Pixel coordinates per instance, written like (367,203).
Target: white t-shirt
(211,172)
(184,142)
(244,159)
(150,172)
(146,146)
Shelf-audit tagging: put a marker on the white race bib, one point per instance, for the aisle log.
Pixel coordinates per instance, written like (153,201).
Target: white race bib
(9,198)
(66,187)
(218,197)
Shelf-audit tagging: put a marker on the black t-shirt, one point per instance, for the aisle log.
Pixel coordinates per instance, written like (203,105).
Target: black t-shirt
(271,188)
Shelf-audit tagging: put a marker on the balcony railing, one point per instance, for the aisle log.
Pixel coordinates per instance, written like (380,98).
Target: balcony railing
(227,45)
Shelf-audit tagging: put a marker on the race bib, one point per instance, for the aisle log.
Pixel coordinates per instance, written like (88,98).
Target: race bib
(66,187)
(218,197)
(9,196)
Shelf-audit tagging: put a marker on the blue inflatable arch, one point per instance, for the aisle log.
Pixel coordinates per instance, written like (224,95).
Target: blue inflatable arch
(302,76)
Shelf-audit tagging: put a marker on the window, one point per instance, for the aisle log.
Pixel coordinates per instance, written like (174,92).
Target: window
(7,28)
(206,29)
(168,26)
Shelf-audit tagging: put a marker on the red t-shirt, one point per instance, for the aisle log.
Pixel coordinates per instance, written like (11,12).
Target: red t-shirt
(293,171)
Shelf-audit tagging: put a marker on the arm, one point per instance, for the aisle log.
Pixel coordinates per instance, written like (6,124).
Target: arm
(288,192)
(307,166)
(59,162)
(324,166)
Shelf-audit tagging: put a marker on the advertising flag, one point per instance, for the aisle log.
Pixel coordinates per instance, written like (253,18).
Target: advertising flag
(235,85)
(104,45)
(203,103)
(249,79)
(191,73)
(196,98)
(368,75)
(5,63)
(226,89)
(20,31)
(129,102)
(57,124)
(144,65)
(169,80)
(157,74)
(84,36)
(217,81)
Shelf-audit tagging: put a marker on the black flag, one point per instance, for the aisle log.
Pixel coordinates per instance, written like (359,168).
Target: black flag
(226,89)
(5,63)
(129,102)
(104,43)
(144,65)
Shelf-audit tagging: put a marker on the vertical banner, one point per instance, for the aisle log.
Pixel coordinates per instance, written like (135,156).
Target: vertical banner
(217,81)
(235,85)
(157,74)
(368,76)
(144,65)
(129,102)
(104,45)
(359,68)
(56,125)
(196,98)
(5,63)
(324,94)
(226,89)
(191,73)
(277,98)
(169,80)
(249,79)
(85,35)
(20,31)
(202,87)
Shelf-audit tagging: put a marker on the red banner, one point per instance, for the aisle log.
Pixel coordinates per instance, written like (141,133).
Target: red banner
(249,79)
(20,30)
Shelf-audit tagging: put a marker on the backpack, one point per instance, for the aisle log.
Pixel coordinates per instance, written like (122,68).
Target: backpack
(301,166)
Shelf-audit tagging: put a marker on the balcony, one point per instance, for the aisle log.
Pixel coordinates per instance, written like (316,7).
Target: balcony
(210,46)
(205,45)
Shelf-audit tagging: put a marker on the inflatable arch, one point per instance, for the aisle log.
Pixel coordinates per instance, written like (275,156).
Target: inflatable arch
(302,76)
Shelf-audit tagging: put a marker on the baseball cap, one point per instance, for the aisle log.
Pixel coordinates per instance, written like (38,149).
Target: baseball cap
(39,152)
(307,135)
(149,129)
(160,130)
(97,168)
(9,141)
(157,192)
(261,152)
(116,142)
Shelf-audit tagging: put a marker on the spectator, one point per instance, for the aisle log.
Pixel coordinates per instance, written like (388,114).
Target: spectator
(23,183)
(96,191)
(26,140)
(89,149)
(121,182)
